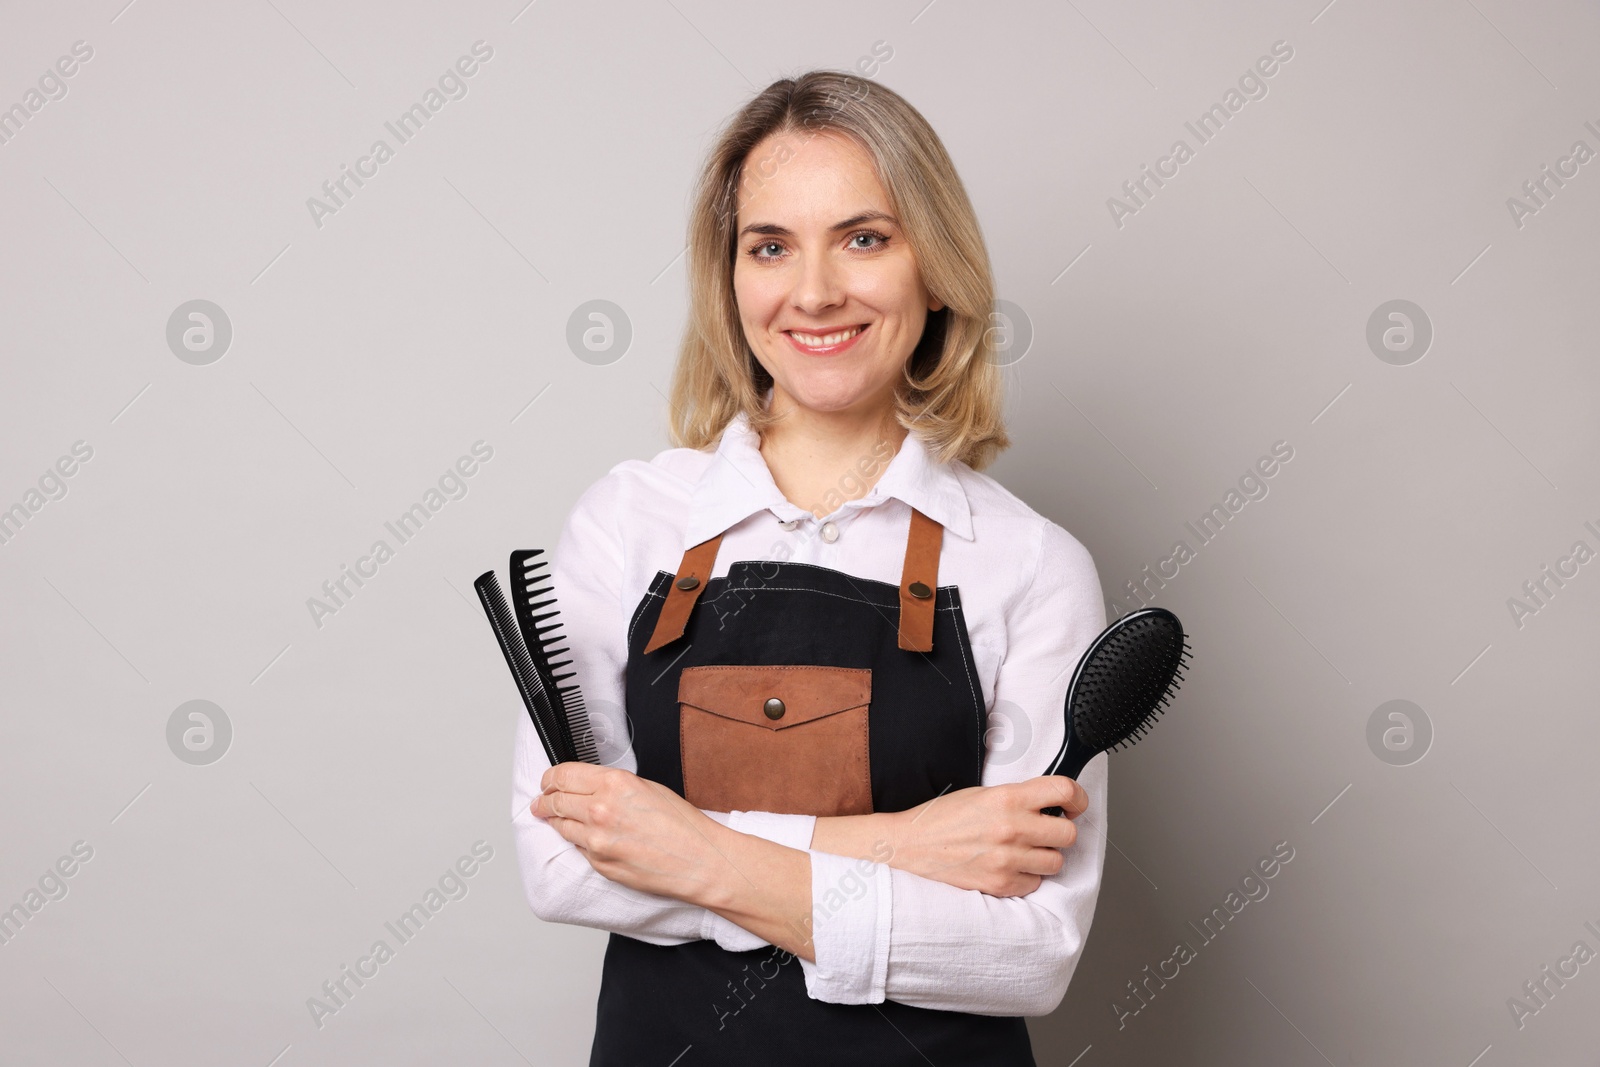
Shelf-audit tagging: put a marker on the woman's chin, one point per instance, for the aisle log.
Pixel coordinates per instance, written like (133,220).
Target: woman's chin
(834,400)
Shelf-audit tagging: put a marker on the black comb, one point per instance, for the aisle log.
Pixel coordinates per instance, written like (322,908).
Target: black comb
(1123,682)
(571,719)
(556,710)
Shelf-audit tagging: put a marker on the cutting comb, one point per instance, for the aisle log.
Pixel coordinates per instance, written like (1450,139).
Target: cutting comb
(528,584)
(556,709)
(1122,683)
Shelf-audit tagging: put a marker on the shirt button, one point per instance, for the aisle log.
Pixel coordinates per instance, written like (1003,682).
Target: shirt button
(830,532)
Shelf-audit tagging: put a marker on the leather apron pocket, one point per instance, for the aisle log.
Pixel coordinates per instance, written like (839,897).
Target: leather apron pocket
(788,739)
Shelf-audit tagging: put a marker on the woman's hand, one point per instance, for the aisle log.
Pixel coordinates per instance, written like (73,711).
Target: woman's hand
(631,830)
(990,838)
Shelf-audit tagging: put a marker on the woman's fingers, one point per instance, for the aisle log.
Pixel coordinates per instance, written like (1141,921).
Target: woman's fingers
(1018,885)
(1055,790)
(1037,830)
(576,777)
(574,825)
(586,792)
(1043,862)
(1056,833)
(589,805)
(571,829)
(558,804)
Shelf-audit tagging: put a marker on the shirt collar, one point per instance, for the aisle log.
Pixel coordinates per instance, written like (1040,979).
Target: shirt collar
(738,484)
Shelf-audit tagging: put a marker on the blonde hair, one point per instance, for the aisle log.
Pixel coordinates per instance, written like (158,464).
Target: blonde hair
(951,394)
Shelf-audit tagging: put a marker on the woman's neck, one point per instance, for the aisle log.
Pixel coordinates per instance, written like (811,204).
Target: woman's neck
(821,459)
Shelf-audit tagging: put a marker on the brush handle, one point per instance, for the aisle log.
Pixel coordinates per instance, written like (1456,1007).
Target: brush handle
(1069,762)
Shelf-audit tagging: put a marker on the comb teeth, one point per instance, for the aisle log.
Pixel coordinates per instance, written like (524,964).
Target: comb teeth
(531,590)
(523,671)
(577,724)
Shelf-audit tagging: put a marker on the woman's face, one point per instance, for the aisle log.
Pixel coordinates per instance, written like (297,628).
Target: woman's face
(828,289)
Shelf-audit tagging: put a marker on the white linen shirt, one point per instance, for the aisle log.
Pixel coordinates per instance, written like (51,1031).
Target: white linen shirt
(1032,603)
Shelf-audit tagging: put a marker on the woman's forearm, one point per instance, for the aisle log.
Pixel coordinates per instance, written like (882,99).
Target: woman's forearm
(994,839)
(761,886)
(873,837)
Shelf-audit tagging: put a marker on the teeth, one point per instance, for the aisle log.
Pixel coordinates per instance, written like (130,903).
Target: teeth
(811,340)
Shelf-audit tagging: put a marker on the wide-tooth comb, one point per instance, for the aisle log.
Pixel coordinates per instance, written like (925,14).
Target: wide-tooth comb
(1121,686)
(523,670)
(529,582)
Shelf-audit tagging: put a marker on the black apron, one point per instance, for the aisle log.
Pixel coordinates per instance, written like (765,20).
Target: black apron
(796,636)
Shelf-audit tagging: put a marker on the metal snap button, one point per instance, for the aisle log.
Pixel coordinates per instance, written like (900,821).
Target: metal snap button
(688,582)
(774,708)
(830,532)
(920,591)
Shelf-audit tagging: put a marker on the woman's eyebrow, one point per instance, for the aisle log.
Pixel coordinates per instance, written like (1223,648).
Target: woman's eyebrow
(772,229)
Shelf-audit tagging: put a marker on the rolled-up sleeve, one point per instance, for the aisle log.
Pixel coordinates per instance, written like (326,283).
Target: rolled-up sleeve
(560,885)
(881,933)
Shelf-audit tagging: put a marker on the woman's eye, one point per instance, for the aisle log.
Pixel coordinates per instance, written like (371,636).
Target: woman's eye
(865,241)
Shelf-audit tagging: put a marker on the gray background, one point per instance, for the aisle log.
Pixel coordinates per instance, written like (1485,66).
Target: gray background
(431,311)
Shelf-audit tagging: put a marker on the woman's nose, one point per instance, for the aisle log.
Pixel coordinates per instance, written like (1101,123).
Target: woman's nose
(819,285)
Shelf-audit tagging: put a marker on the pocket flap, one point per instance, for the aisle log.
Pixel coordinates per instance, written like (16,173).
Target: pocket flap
(808,693)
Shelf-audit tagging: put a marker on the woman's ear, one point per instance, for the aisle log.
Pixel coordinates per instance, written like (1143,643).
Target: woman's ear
(934,303)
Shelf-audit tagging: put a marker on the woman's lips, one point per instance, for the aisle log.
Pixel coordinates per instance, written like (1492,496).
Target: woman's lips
(800,338)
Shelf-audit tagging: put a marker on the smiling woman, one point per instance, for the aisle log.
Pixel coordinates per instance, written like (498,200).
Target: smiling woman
(789,283)
(853,193)
(806,834)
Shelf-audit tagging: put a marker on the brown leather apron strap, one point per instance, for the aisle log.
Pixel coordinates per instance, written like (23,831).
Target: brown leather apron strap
(919,580)
(686,587)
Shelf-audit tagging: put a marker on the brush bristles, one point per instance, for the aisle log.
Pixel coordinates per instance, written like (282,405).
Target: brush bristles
(1128,680)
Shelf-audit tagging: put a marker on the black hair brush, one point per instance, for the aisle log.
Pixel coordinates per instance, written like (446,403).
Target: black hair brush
(556,709)
(1122,683)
